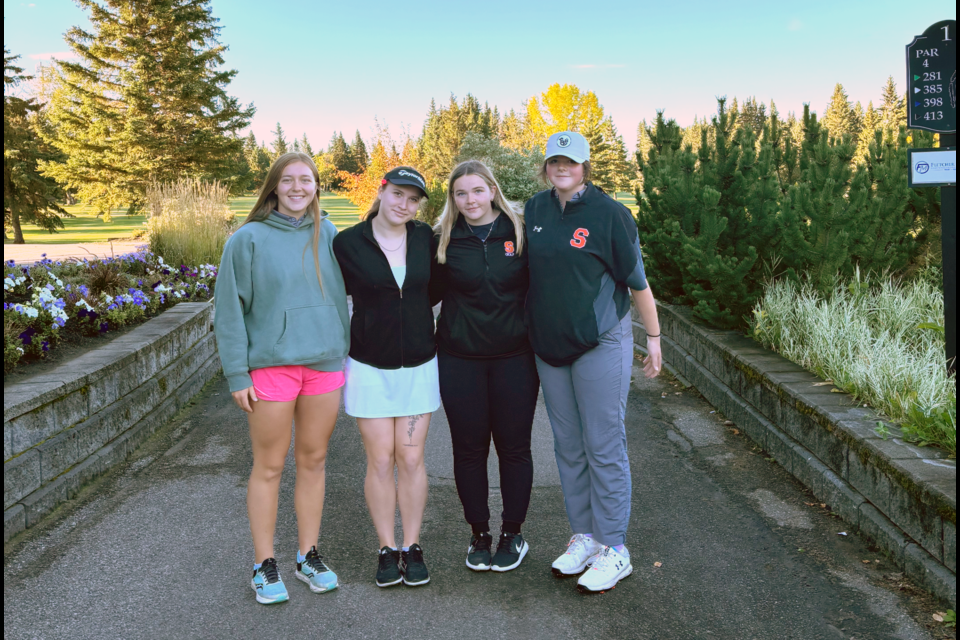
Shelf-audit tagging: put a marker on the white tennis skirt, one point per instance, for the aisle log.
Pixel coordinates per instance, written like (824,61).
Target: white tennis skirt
(391,393)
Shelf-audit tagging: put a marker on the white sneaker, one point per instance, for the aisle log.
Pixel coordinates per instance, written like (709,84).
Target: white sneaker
(606,571)
(581,552)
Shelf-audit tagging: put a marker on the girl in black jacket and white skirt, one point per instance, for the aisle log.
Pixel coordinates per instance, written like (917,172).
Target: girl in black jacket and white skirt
(391,372)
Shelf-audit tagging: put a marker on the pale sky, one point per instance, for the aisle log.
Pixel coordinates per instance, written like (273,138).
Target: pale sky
(318,66)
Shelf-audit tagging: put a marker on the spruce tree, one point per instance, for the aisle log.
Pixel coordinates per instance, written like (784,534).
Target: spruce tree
(359,151)
(601,157)
(871,123)
(279,145)
(28,196)
(340,157)
(144,101)
(305,146)
(839,117)
(444,132)
(893,109)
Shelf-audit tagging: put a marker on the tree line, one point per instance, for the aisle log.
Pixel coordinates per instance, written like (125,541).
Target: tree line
(145,101)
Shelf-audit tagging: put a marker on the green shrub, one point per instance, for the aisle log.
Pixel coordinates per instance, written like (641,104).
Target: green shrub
(189,221)
(516,171)
(882,342)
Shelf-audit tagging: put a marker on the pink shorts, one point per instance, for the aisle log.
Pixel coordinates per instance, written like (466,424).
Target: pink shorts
(285,383)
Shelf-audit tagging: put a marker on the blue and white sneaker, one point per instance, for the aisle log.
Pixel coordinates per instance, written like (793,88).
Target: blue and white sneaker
(266,583)
(312,570)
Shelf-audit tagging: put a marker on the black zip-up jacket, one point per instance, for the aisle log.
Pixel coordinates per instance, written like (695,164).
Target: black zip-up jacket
(582,260)
(391,327)
(484,287)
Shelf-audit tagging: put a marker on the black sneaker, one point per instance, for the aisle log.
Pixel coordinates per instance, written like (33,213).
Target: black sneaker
(510,552)
(414,568)
(388,569)
(478,553)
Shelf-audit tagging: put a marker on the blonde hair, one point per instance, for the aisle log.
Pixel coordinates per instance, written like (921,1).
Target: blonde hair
(450,211)
(267,200)
(375,206)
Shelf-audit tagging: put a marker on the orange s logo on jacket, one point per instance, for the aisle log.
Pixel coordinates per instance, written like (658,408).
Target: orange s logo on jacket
(580,238)
(508,248)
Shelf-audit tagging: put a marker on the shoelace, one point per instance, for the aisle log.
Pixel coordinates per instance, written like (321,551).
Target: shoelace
(269,571)
(415,555)
(577,544)
(386,558)
(603,559)
(315,561)
(506,540)
(483,543)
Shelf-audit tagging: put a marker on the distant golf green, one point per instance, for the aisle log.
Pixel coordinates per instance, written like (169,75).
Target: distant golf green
(86,226)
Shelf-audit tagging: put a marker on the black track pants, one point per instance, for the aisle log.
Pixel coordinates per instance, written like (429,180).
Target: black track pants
(484,398)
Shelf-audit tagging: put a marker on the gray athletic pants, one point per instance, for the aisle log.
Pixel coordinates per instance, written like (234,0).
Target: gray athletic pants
(587,402)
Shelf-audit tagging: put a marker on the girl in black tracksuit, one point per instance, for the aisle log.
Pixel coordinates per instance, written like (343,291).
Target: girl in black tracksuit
(488,376)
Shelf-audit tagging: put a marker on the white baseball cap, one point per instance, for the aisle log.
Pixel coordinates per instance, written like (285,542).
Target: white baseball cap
(569,144)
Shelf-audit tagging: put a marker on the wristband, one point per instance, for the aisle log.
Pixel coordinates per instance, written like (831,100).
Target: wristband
(650,335)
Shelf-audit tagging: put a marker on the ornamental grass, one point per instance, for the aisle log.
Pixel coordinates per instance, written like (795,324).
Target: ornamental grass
(882,342)
(189,221)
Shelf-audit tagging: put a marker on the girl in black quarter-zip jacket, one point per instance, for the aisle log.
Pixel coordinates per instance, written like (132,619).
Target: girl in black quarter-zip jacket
(488,381)
(392,385)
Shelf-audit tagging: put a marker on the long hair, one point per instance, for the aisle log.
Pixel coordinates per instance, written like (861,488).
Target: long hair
(448,219)
(267,200)
(374,208)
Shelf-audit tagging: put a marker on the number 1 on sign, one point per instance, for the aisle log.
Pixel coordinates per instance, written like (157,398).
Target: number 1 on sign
(946,33)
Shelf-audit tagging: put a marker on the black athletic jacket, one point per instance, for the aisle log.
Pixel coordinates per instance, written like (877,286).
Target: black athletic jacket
(582,260)
(484,288)
(391,328)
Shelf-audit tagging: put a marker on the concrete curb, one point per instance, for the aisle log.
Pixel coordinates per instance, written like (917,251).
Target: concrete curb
(901,497)
(68,426)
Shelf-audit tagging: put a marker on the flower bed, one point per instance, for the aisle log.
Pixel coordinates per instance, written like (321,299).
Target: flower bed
(881,342)
(49,302)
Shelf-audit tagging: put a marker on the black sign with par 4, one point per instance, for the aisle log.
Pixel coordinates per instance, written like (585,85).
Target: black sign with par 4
(932,79)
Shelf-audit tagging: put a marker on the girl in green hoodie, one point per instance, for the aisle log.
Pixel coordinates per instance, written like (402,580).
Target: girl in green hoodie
(282,333)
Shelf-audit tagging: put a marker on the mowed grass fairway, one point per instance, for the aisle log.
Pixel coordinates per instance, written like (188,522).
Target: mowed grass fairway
(86,226)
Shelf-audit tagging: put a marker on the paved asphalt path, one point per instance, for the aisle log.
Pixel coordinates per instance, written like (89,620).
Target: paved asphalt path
(30,253)
(159,548)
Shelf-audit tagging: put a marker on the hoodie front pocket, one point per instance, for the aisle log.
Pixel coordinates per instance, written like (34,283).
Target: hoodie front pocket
(310,334)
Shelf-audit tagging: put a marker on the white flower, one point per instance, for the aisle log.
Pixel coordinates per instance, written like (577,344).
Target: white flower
(83,303)
(108,298)
(31,312)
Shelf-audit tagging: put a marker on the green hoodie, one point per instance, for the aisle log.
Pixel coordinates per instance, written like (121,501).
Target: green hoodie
(269,309)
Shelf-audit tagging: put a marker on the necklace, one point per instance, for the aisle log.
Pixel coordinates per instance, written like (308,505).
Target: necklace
(489,231)
(397,248)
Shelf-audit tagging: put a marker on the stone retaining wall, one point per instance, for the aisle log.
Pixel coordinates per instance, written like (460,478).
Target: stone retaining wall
(63,428)
(901,497)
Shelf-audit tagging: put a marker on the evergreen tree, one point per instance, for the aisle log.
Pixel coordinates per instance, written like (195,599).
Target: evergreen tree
(341,158)
(893,109)
(516,171)
(819,218)
(839,117)
(622,173)
(872,122)
(305,146)
(707,220)
(28,196)
(279,144)
(145,101)
(359,151)
(601,157)
(445,129)
(753,115)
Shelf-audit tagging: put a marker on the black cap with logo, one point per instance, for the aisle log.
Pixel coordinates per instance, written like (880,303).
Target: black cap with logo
(406,176)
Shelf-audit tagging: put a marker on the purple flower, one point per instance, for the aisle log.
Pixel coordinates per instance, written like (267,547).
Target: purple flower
(27,336)
(104,327)
(45,346)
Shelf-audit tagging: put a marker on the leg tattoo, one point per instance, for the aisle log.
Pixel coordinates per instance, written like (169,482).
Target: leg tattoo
(413,427)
